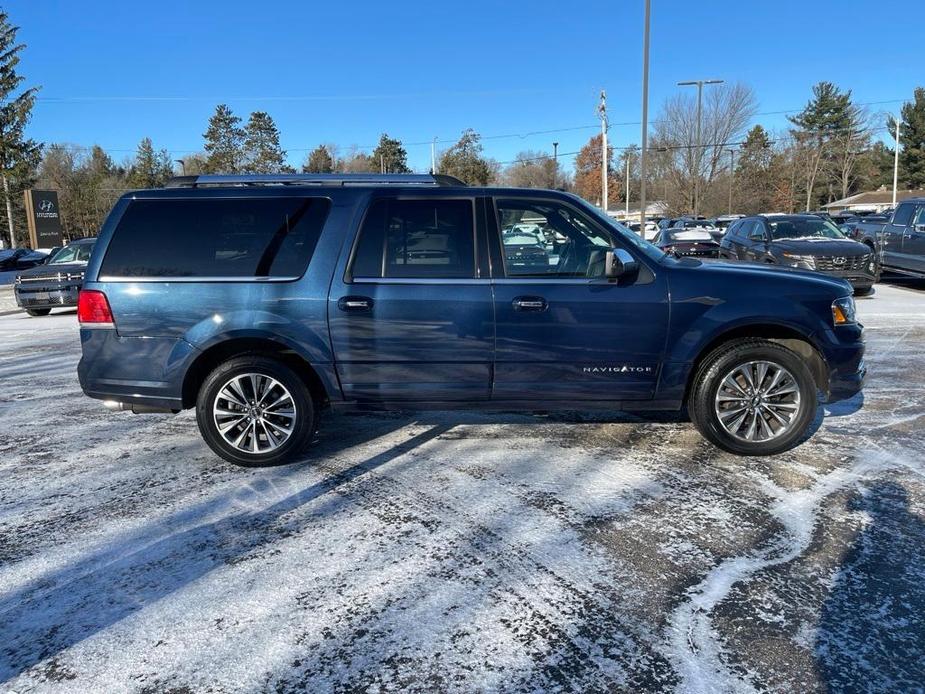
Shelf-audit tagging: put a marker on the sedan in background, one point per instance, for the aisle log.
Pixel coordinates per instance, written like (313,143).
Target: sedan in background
(20,259)
(56,283)
(651,230)
(804,241)
(700,224)
(682,241)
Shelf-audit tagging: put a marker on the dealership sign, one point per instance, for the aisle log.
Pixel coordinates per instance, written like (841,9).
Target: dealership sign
(44,218)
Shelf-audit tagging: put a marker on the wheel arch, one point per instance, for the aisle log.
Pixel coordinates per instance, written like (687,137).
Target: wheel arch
(237,346)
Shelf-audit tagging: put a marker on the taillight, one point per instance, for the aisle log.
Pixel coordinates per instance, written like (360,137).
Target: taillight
(93,309)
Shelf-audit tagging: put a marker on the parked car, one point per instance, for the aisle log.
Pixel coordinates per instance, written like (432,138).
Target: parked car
(20,259)
(722,222)
(688,241)
(56,283)
(804,241)
(898,239)
(262,300)
(700,225)
(651,229)
(525,248)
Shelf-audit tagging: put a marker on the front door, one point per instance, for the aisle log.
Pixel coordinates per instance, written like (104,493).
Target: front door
(564,331)
(913,249)
(411,318)
(891,242)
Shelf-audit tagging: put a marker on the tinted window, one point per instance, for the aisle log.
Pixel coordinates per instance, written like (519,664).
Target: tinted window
(256,237)
(417,238)
(903,214)
(756,231)
(545,238)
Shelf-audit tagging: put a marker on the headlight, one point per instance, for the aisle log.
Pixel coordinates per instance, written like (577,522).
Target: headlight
(807,260)
(843,312)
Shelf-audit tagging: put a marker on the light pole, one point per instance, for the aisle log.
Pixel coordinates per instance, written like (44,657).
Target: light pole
(182,163)
(732,173)
(555,164)
(896,163)
(698,157)
(626,188)
(433,155)
(645,118)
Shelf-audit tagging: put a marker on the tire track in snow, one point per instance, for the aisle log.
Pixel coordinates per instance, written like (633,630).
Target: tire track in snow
(694,646)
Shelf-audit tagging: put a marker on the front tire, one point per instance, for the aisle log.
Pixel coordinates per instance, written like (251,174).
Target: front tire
(753,397)
(255,411)
(36,312)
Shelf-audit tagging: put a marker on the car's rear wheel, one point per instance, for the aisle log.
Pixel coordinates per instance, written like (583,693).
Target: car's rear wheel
(35,312)
(255,411)
(753,397)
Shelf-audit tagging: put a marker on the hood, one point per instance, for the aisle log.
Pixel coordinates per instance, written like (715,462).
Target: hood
(768,274)
(53,270)
(820,246)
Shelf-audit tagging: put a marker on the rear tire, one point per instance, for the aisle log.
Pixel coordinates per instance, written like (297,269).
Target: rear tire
(36,312)
(771,384)
(255,411)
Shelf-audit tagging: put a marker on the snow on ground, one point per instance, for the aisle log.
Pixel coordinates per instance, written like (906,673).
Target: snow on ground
(7,300)
(461,552)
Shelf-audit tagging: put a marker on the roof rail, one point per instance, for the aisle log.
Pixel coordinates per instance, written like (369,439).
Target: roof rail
(312,179)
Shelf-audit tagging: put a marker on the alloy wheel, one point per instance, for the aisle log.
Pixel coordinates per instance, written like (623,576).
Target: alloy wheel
(254,413)
(758,401)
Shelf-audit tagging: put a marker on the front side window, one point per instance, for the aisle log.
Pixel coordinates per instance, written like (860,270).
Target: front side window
(756,233)
(919,217)
(416,239)
(217,238)
(903,214)
(541,239)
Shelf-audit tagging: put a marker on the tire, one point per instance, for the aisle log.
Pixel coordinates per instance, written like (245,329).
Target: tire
(770,436)
(863,291)
(36,312)
(283,419)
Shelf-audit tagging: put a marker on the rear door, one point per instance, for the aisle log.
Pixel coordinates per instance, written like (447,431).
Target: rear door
(411,315)
(564,331)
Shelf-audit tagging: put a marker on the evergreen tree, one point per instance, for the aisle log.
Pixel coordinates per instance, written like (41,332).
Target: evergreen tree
(151,169)
(465,161)
(224,142)
(319,161)
(390,156)
(19,155)
(912,141)
(262,151)
(752,185)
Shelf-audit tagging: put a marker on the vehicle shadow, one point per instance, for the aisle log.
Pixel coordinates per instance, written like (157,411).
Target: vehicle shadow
(60,609)
(871,635)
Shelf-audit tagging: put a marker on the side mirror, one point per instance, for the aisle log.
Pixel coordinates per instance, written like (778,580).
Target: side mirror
(618,263)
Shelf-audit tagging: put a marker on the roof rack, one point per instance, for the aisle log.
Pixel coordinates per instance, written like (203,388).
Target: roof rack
(310,179)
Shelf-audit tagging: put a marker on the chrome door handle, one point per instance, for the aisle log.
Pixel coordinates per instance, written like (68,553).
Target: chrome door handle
(529,303)
(355,304)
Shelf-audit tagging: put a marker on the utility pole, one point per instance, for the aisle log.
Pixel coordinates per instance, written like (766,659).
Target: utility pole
(9,211)
(698,158)
(895,163)
(645,118)
(626,188)
(732,173)
(381,163)
(602,112)
(433,156)
(555,164)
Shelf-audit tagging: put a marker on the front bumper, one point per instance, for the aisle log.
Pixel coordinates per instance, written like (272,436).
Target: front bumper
(843,350)
(45,297)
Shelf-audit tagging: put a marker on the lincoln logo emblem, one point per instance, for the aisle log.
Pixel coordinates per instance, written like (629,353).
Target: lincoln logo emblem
(46,206)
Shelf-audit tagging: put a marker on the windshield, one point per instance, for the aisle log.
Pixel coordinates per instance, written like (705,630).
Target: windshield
(803,228)
(631,237)
(75,253)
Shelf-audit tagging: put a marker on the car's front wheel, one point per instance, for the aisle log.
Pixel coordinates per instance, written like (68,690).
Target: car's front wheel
(753,397)
(255,411)
(35,312)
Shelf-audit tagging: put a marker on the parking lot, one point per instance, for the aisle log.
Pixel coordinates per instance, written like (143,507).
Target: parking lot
(461,552)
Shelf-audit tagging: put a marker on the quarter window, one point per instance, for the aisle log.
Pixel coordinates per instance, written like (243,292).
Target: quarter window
(416,239)
(216,238)
(541,239)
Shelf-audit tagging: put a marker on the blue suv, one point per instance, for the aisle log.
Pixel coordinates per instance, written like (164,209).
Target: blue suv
(263,300)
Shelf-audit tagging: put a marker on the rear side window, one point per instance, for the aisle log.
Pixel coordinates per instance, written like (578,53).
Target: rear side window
(216,238)
(418,239)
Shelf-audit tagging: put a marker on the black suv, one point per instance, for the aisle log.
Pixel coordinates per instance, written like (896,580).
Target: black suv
(56,283)
(804,241)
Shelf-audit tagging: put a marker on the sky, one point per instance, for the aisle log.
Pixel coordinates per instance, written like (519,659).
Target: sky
(522,74)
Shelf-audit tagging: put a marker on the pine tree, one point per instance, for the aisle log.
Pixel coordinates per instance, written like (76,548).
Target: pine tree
(319,161)
(390,156)
(912,141)
(224,142)
(752,182)
(19,155)
(151,169)
(262,151)
(465,161)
